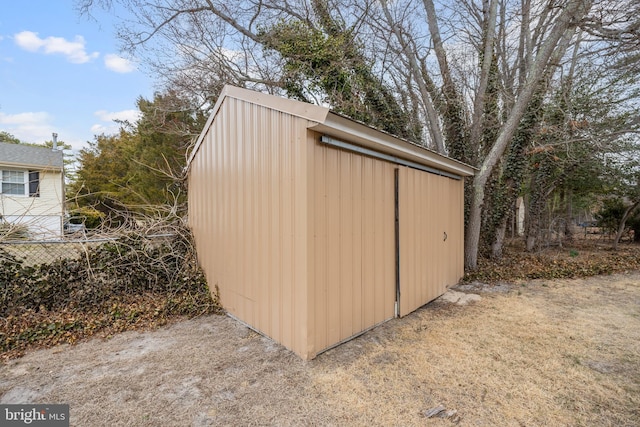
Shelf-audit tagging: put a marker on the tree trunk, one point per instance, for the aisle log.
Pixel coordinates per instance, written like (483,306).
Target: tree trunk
(564,27)
(514,169)
(453,112)
(532,226)
(568,221)
(472,238)
(496,248)
(532,240)
(487,58)
(623,222)
(431,114)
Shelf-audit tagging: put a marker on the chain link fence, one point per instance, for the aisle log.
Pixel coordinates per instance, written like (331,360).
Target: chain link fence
(36,252)
(61,290)
(56,273)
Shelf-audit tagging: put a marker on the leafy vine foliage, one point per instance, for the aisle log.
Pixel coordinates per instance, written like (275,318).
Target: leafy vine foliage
(130,279)
(329,61)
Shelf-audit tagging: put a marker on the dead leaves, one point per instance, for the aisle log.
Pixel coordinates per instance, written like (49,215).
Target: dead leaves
(36,329)
(555,264)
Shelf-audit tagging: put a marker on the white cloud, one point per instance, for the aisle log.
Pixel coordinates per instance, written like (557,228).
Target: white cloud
(37,127)
(108,118)
(23,118)
(74,51)
(29,127)
(98,129)
(118,64)
(129,115)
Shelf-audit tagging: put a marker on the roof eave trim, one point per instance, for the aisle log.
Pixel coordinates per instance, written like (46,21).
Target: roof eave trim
(290,106)
(19,165)
(354,132)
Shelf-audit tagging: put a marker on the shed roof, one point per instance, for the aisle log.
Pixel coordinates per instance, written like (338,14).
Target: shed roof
(323,120)
(19,155)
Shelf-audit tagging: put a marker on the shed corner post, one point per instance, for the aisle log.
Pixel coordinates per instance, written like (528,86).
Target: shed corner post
(396,190)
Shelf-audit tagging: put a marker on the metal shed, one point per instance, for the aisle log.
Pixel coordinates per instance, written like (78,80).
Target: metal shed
(315,228)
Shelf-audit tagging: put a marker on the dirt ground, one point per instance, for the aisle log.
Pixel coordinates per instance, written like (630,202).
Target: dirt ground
(539,353)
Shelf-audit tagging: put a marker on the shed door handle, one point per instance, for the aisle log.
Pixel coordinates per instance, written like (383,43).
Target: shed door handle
(445,236)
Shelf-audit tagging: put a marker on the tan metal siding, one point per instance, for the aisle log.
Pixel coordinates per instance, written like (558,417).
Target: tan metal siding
(248,212)
(299,237)
(351,254)
(429,206)
(456,235)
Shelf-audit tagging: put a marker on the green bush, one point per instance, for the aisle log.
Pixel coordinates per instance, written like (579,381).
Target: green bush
(90,217)
(610,215)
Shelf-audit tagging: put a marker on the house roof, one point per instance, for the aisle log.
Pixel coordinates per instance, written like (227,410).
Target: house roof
(18,155)
(323,120)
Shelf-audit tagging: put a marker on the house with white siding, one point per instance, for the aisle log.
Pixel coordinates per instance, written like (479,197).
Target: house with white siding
(32,189)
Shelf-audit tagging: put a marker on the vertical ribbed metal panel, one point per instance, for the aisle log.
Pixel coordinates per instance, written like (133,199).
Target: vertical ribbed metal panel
(351,254)
(456,249)
(299,237)
(248,212)
(430,207)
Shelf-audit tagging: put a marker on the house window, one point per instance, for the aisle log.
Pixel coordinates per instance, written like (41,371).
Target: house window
(20,183)
(13,182)
(34,183)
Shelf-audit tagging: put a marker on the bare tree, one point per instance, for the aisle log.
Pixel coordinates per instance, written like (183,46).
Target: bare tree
(468,69)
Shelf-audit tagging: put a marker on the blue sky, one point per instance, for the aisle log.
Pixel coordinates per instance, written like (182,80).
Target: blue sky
(63,73)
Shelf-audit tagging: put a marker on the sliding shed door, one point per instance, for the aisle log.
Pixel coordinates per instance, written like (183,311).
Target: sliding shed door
(430,236)
(352,263)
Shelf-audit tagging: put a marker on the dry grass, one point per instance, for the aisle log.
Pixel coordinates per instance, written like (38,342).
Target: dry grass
(547,353)
(561,353)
